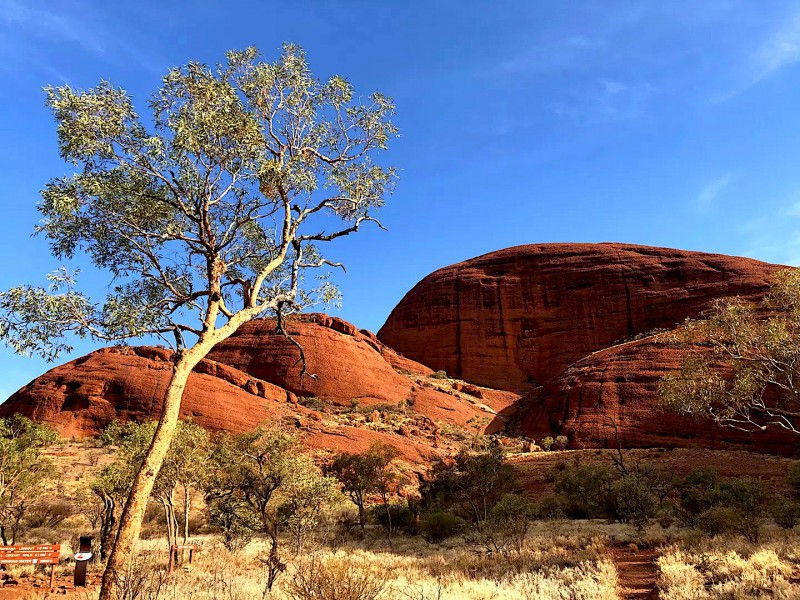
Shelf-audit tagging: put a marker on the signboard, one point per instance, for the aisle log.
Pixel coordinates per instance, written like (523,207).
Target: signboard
(173,553)
(40,554)
(46,554)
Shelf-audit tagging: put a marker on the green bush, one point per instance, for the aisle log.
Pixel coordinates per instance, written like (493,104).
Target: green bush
(562,442)
(404,518)
(550,507)
(719,520)
(439,375)
(583,490)
(785,514)
(440,525)
(793,476)
(547,443)
(630,501)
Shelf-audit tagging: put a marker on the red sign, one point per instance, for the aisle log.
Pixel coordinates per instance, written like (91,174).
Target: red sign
(44,554)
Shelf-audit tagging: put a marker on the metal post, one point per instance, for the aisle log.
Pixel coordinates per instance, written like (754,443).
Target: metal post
(84,549)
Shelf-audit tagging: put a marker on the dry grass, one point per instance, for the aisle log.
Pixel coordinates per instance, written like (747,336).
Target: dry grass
(552,567)
(731,570)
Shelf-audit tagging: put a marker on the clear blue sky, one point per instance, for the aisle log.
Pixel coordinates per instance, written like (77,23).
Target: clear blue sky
(665,123)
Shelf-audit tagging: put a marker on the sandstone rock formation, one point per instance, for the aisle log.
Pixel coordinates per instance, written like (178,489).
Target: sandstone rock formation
(559,323)
(611,397)
(84,395)
(516,318)
(254,377)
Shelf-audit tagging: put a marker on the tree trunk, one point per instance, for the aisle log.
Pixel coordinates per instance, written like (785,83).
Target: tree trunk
(133,513)
(186,508)
(362,516)
(389,521)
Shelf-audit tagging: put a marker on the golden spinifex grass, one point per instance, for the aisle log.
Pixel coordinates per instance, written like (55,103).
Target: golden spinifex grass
(574,568)
(730,569)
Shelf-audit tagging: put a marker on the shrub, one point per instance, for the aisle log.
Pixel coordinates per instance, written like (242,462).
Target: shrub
(793,476)
(439,375)
(631,501)
(562,442)
(550,507)
(511,518)
(440,525)
(583,490)
(49,512)
(719,520)
(404,518)
(547,443)
(785,514)
(335,579)
(313,403)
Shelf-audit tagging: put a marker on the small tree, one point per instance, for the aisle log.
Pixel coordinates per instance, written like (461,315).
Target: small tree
(23,469)
(758,349)
(205,220)
(111,486)
(510,519)
(471,484)
(304,497)
(365,473)
(262,480)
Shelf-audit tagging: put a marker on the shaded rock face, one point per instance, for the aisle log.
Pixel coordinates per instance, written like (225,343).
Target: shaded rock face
(516,318)
(611,396)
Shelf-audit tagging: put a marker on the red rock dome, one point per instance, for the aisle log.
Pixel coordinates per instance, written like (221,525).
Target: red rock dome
(516,318)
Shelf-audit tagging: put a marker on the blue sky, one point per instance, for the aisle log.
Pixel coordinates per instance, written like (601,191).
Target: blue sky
(665,123)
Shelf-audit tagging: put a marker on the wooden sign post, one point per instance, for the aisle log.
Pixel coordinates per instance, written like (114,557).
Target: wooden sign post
(173,554)
(42,554)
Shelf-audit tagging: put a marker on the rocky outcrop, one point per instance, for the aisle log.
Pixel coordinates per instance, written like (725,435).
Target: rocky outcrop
(574,327)
(612,396)
(82,396)
(254,377)
(516,318)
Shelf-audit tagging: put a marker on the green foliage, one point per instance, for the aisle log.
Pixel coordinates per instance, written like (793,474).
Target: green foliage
(719,520)
(583,490)
(763,356)
(547,443)
(261,481)
(403,517)
(216,210)
(630,500)
(235,519)
(511,518)
(365,473)
(470,485)
(440,525)
(793,477)
(710,503)
(23,470)
(785,513)
(439,375)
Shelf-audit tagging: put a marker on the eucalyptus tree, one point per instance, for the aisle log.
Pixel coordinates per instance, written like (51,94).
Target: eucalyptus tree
(748,377)
(207,216)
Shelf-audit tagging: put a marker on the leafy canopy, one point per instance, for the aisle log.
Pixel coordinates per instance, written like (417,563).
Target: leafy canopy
(749,375)
(213,210)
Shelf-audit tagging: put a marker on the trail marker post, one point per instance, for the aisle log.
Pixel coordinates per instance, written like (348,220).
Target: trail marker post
(82,558)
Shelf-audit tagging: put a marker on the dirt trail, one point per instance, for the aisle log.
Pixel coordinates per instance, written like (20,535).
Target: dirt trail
(638,572)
